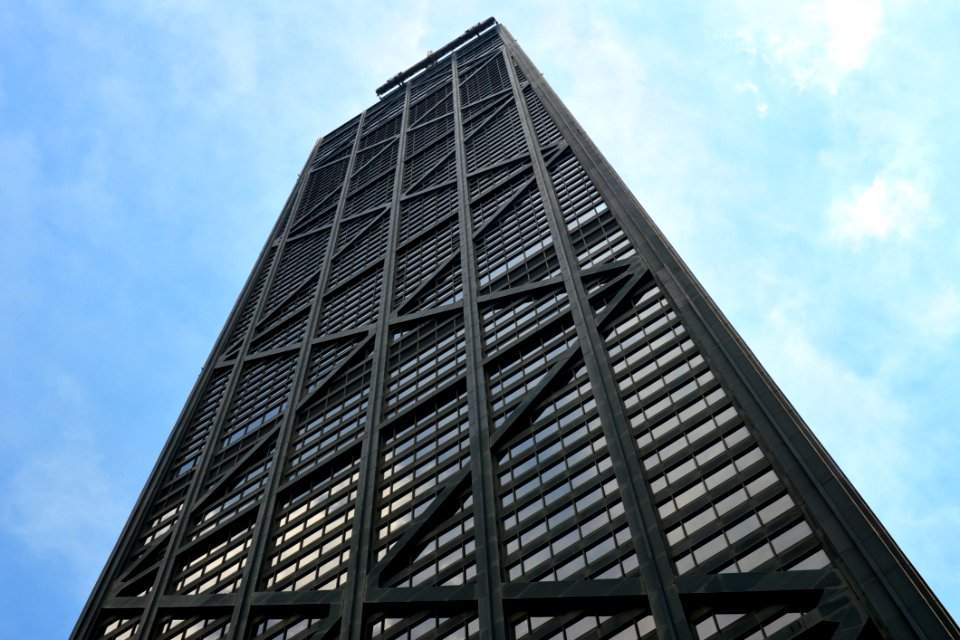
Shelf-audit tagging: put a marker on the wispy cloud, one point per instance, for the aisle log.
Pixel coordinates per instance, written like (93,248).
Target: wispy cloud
(813,43)
(887,207)
(846,407)
(751,88)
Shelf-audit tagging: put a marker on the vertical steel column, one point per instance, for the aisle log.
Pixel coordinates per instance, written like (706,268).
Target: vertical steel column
(485,512)
(263,527)
(655,566)
(355,592)
(196,483)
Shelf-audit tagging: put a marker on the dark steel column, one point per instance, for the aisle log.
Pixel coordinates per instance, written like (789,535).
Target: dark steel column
(354,593)
(486,515)
(655,566)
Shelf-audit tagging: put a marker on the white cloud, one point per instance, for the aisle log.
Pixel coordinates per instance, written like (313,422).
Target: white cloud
(749,87)
(887,207)
(814,43)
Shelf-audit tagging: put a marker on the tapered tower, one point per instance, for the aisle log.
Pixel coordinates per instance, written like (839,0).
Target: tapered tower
(470,391)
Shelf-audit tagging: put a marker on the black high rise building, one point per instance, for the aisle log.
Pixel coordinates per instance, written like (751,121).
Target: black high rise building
(470,391)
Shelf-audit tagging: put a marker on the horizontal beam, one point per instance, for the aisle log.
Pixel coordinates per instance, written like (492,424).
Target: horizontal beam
(432,58)
(695,590)
(727,590)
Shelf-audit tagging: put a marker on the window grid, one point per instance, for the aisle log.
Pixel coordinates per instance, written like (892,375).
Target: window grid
(317,220)
(368,154)
(595,233)
(168,503)
(250,304)
(437,75)
(297,302)
(115,627)
(516,247)
(322,185)
(419,261)
(372,195)
(299,258)
(475,51)
(507,323)
(546,130)
(294,628)
(419,212)
(368,247)
(418,456)
(239,496)
(353,306)
(335,142)
(601,240)
(214,565)
(385,110)
(749,626)
(374,163)
(334,420)
(173,628)
(490,77)
(435,105)
(258,401)
(385,129)
(481,182)
(443,173)
(475,116)
(559,499)
(498,139)
(311,539)
(445,555)
(421,137)
(432,166)
(517,371)
(324,358)
(350,228)
(423,627)
(421,360)
(576,625)
(489,199)
(289,333)
(603,287)
(445,289)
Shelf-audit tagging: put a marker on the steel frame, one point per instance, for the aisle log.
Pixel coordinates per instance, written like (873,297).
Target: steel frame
(452,266)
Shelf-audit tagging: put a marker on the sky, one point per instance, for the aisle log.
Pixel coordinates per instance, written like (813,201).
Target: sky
(801,157)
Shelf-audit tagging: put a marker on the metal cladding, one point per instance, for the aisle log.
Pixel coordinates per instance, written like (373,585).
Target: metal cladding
(469,391)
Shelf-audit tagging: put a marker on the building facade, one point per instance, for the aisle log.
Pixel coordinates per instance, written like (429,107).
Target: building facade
(470,391)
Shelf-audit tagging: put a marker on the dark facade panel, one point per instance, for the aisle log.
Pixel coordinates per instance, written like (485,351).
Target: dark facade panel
(470,391)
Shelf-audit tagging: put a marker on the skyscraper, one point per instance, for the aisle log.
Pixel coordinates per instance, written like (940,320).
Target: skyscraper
(469,390)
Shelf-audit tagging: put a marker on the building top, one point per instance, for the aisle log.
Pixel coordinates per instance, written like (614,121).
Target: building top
(432,57)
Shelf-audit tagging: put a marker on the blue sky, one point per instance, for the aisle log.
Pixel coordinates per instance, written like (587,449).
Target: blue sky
(801,157)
